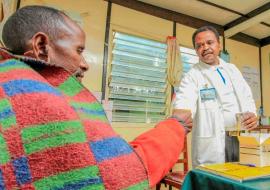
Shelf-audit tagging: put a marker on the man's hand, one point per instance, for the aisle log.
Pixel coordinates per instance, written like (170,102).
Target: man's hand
(249,121)
(184,116)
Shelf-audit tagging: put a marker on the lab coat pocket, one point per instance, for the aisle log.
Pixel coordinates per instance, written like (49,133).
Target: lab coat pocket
(206,117)
(207,150)
(206,127)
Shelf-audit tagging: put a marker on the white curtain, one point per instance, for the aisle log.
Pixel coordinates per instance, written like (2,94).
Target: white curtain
(7,7)
(175,67)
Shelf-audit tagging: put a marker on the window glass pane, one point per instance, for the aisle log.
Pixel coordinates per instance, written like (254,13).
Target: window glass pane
(125,81)
(138,79)
(138,40)
(188,58)
(154,63)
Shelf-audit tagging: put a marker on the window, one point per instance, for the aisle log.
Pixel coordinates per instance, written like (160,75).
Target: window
(189,58)
(137,82)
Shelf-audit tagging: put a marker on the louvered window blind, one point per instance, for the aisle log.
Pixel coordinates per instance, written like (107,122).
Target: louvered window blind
(189,58)
(138,83)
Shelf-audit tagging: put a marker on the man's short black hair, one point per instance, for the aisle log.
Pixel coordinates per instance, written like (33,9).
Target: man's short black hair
(26,22)
(203,29)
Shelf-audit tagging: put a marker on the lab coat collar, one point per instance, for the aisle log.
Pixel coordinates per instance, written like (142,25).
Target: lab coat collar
(206,66)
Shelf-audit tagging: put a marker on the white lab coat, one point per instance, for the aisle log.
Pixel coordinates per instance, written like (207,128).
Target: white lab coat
(208,132)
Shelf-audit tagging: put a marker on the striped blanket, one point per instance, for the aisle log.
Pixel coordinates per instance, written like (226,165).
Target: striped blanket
(55,135)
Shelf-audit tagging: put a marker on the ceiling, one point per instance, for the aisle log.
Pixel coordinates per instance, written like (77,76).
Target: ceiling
(250,18)
(212,10)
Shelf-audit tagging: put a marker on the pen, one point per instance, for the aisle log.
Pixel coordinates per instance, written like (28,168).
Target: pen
(249,165)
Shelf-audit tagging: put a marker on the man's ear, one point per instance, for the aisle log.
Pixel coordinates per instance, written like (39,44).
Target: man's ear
(39,47)
(220,47)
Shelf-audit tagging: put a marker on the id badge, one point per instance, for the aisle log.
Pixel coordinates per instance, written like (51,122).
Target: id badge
(208,94)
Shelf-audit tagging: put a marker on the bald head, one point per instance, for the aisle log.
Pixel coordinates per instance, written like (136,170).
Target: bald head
(29,20)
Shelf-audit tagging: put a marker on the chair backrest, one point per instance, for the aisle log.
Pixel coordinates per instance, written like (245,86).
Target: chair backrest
(184,158)
(175,178)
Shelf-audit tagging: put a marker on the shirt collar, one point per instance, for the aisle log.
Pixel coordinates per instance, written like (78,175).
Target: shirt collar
(221,65)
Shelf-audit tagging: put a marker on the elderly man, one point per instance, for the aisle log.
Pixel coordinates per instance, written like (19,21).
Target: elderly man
(53,132)
(214,91)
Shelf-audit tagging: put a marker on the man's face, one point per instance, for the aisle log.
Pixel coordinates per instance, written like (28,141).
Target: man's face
(66,51)
(207,47)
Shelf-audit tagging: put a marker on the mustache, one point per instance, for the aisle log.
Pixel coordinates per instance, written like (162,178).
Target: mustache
(206,51)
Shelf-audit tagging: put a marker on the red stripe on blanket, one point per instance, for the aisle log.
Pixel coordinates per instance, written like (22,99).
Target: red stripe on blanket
(40,108)
(97,130)
(27,187)
(9,176)
(84,96)
(60,159)
(113,169)
(20,74)
(5,55)
(14,142)
(54,75)
(2,93)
